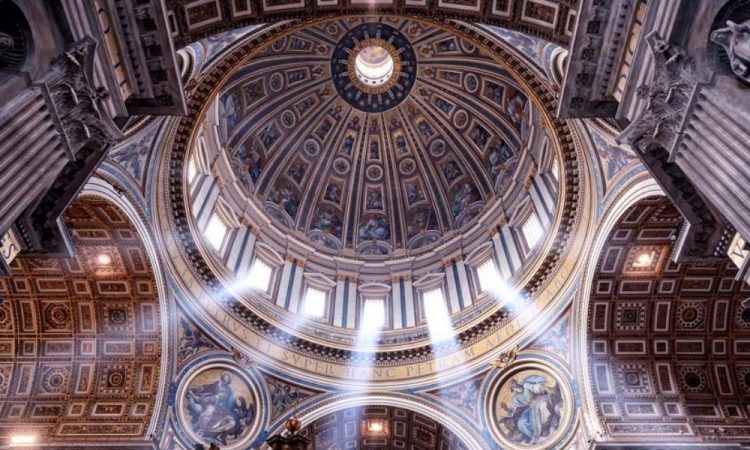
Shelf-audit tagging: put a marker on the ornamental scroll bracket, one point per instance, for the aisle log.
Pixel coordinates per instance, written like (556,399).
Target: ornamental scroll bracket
(667,96)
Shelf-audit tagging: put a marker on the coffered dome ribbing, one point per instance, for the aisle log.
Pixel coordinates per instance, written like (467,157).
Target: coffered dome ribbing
(407,159)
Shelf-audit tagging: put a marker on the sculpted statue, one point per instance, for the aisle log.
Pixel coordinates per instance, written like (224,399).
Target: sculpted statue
(735,38)
(667,97)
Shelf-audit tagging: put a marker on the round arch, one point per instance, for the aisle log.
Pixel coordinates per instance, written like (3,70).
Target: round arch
(101,188)
(643,187)
(459,428)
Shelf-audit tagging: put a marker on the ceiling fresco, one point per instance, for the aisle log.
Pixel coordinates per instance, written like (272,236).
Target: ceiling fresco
(667,342)
(377,173)
(80,339)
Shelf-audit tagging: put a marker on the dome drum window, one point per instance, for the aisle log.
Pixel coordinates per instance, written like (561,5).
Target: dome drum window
(488,276)
(216,232)
(221,227)
(315,303)
(373,308)
(436,314)
(374,314)
(260,276)
(192,170)
(532,231)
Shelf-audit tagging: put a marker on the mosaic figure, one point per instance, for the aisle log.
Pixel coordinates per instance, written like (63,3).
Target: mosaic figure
(250,160)
(451,171)
(328,221)
(231,106)
(375,228)
(516,107)
(333,193)
(192,340)
(534,410)
(463,198)
(286,198)
(499,153)
(218,412)
(414,193)
(374,199)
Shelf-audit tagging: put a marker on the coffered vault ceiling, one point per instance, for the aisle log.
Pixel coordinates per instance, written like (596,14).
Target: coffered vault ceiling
(381,172)
(667,342)
(80,340)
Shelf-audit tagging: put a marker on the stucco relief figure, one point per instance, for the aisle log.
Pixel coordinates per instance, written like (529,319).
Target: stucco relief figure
(533,415)
(218,413)
(735,38)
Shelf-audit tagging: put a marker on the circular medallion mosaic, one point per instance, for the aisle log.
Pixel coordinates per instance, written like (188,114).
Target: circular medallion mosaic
(373,67)
(530,407)
(219,405)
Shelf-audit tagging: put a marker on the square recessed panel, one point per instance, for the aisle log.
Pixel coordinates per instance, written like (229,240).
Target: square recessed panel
(673,409)
(643,260)
(633,379)
(621,235)
(540,12)
(630,316)
(664,378)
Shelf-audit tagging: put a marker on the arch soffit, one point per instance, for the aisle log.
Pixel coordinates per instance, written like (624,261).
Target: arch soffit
(642,187)
(101,188)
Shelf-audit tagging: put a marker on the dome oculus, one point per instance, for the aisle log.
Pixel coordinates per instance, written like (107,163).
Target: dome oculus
(373,65)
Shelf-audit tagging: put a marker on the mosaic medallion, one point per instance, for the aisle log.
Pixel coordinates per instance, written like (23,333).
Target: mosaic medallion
(219,405)
(373,67)
(530,407)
